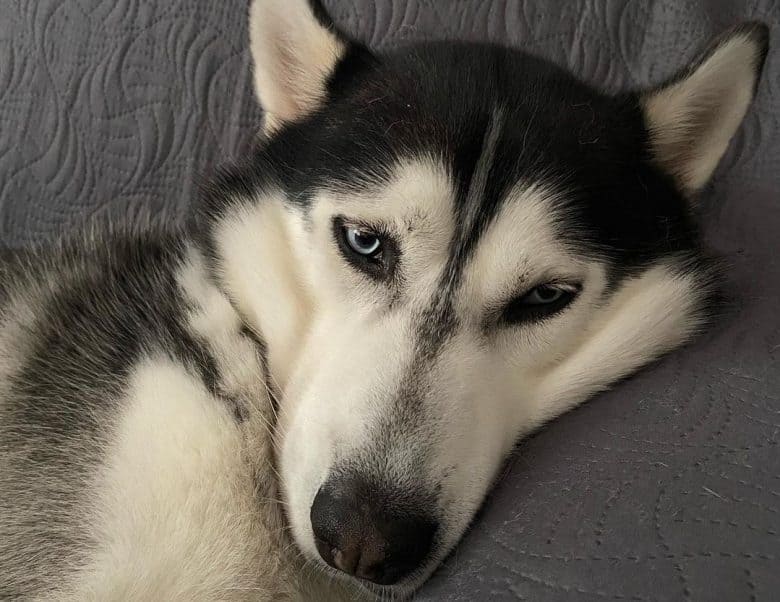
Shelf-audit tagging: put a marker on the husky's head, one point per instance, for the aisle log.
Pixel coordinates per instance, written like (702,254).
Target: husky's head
(445,246)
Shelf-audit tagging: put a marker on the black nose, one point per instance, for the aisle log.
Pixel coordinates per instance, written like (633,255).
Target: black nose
(356,532)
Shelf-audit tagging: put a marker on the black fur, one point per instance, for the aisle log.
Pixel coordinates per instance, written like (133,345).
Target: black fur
(593,147)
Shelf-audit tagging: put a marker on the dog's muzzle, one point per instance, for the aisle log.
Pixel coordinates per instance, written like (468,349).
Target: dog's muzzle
(364,531)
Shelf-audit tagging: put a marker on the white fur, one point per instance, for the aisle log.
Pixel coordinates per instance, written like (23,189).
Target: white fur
(176,501)
(693,120)
(488,386)
(216,321)
(649,315)
(294,55)
(257,245)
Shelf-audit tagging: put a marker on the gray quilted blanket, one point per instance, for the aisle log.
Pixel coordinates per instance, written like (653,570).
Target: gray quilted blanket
(667,487)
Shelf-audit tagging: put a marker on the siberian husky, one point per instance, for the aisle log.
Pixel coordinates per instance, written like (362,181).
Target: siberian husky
(431,252)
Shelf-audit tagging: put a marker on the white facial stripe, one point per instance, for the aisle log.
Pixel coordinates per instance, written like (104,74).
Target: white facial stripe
(479,178)
(419,189)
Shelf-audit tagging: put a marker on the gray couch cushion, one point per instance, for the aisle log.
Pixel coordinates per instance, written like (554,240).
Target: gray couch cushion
(667,487)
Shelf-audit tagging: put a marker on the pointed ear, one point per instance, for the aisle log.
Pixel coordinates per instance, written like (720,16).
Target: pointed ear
(295,48)
(692,118)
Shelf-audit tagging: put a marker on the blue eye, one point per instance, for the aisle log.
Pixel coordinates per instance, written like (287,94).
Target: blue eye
(363,242)
(370,250)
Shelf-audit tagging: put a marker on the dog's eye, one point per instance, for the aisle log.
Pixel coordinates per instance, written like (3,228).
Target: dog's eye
(540,302)
(543,295)
(363,242)
(366,249)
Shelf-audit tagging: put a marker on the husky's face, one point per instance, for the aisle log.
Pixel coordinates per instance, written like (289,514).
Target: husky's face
(445,247)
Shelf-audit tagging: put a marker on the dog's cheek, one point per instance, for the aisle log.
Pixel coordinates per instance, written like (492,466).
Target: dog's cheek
(474,409)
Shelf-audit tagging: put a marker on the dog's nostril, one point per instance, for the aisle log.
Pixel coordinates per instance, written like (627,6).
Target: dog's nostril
(362,539)
(360,559)
(346,561)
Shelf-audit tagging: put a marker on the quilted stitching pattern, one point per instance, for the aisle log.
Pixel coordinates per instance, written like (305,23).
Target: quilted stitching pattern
(666,488)
(110,108)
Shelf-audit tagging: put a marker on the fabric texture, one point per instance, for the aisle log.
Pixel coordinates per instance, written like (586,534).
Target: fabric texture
(665,488)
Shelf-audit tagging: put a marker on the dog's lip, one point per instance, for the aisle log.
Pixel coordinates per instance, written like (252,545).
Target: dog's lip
(399,591)
(396,591)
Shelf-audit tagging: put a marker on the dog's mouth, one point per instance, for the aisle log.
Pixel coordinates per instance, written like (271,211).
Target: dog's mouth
(401,590)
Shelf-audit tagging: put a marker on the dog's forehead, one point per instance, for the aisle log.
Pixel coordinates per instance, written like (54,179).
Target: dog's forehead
(459,103)
(549,127)
(442,98)
(492,118)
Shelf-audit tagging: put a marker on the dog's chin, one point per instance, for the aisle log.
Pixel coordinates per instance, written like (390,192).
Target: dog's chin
(366,590)
(400,591)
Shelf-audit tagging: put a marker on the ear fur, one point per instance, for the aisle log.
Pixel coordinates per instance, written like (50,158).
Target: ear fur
(692,118)
(295,48)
